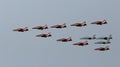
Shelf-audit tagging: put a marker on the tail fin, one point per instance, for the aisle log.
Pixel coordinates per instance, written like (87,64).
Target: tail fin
(106,46)
(25,27)
(110,36)
(94,36)
(108,40)
(84,22)
(64,25)
(86,41)
(45,25)
(49,32)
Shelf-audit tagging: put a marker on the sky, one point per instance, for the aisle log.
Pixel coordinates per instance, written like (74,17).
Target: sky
(25,50)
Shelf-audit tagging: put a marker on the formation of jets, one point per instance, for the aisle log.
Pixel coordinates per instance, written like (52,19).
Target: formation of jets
(107,38)
(99,38)
(78,24)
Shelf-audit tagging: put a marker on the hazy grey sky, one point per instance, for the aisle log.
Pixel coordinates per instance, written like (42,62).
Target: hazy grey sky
(25,50)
